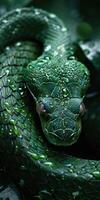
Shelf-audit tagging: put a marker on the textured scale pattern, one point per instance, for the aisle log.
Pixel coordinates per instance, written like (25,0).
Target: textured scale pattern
(14,114)
(41,82)
(39,75)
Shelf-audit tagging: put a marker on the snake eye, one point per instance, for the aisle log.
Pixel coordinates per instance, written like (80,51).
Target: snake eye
(77,106)
(40,108)
(43,108)
(82,109)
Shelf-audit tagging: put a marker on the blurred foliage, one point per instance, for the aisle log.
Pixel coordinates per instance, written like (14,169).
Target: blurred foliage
(82,18)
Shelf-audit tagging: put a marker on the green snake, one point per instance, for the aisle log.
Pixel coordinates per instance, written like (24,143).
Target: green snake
(42,83)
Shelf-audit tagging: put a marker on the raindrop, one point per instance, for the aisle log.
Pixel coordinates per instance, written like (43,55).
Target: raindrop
(21,182)
(6,103)
(52,15)
(18,44)
(48,48)
(46,19)
(72,57)
(37,12)
(56,27)
(42,156)
(20,136)
(18,10)
(20,89)
(9,80)
(13,87)
(75,194)
(96,174)
(64,29)
(67,80)
(23,167)
(48,163)
(55,53)
(64,89)
(12,121)
(47,58)
(69,165)
(7,48)
(34,155)
(5,21)
(7,71)
(71,170)
(22,93)
(86,72)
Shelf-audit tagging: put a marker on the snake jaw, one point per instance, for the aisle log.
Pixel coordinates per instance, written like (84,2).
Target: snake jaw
(63,137)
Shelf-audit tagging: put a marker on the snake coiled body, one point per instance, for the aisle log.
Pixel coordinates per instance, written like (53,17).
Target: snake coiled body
(45,85)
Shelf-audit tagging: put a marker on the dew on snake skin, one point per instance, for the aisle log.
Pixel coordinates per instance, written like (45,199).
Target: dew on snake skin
(48,163)
(96,174)
(52,15)
(18,44)
(7,48)
(36,12)
(48,48)
(5,21)
(75,194)
(46,19)
(63,29)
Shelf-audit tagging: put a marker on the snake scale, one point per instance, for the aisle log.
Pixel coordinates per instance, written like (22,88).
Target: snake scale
(41,82)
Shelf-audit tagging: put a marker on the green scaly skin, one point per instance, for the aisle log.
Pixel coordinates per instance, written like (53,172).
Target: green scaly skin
(56,83)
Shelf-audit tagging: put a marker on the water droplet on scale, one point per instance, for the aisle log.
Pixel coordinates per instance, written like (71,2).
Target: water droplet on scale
(48,48)
(46,19)
(55,53)
(96,174)
(37,12)
(64,29)
(18,10)
(75,194)
(48,163)
(7,71)
(67,80)
(21,183)
(52,15)
(42,156)
(7,48)
(5,21)
(18,44)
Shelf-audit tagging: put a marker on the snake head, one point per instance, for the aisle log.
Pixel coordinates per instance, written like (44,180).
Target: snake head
(61,124)
(59,90)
